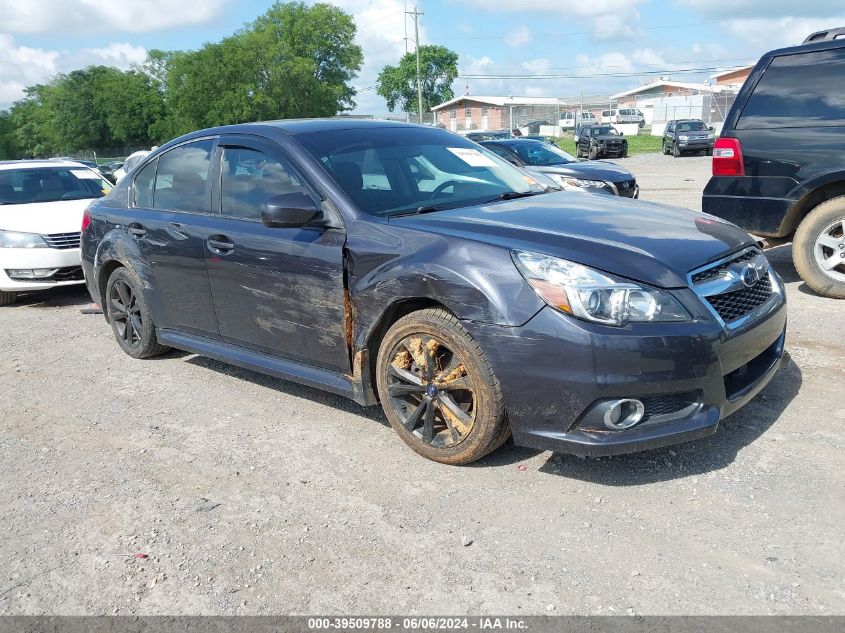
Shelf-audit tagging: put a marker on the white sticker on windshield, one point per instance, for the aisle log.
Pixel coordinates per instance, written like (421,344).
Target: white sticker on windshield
(472,157)
(85,174)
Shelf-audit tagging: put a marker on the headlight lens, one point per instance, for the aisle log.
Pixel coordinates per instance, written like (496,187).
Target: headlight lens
(13,239)
(595,296)
(579,183)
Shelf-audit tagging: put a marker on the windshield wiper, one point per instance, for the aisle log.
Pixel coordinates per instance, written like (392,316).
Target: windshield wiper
(420,210)
(513,195)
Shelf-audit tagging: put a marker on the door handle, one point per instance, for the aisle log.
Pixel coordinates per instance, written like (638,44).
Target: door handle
(220,244)
(137,230)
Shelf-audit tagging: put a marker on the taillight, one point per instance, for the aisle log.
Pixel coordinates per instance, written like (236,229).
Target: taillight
(86,220)
(727,158)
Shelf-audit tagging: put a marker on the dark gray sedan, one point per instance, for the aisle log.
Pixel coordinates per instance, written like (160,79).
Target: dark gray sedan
(402,265)
(567,171)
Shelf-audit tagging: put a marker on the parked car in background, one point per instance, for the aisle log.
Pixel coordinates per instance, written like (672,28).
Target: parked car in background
(574,120)
(688,135)
(623,115)
(489,136)
(600,141)
(403,264)
(779,163)
(566,170)
(534,126)
(41,206)
(129,164)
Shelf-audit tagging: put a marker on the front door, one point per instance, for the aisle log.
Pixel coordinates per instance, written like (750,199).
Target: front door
(276,290)
(172,200)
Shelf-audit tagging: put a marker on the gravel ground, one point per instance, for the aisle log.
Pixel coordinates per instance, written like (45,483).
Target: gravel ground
(181,485)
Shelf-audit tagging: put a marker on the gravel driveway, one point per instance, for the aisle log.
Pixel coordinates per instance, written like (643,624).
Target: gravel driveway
(181,485)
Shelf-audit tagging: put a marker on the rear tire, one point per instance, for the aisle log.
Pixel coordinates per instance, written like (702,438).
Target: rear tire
(129,315)
(818,249)
(7,298)
(438,390)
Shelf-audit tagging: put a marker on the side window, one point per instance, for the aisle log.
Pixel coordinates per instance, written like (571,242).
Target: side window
(142,195)
(181,179)
(670,128)
(250,177)
(803,90)
(503,153)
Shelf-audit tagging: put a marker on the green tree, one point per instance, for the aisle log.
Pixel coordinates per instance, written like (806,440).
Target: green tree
(33,123)
(81,107)
(295,60)
(438,69)
(132,104)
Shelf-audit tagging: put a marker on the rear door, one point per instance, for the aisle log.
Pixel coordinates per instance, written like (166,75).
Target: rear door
(279,291)
(171,199)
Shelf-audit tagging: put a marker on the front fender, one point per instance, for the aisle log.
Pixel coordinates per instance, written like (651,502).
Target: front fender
(475,281)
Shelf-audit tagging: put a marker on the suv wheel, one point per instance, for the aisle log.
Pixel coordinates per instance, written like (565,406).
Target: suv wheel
(7,298)
(819,249)
(129,315)
(676,152)
(438,390)
(594,153)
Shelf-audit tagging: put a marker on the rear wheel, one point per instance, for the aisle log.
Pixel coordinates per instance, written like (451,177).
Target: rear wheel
(129,315)
(438,389)
(7,298)
(819,249)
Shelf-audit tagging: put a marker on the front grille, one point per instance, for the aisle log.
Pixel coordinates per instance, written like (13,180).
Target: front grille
(627,188)
(666,404)
(721,269)
(731,306)
(71,273)
(63,241)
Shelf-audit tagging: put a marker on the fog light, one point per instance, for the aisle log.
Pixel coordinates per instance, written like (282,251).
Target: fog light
(623,414)
(32,273)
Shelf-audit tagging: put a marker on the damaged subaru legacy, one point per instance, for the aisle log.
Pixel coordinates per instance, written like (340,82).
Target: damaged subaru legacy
(404,265)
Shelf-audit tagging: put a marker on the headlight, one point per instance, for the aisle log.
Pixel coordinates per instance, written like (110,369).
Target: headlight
(595,296)
(13,239)
(683,137)
(579,183)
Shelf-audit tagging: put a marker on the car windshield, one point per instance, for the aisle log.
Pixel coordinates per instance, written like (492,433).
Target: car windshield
(605,131)
(388,171)
(537,153)
(691,126)
(49,184)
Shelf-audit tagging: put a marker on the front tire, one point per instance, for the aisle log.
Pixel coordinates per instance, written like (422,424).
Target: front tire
(129,315)
(438,390)
(7,298)
(594,153)
(818,249)
(676,152)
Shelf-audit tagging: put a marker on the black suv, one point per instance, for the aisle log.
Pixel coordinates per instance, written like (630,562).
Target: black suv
(600,141)
(688,135)
(779,164)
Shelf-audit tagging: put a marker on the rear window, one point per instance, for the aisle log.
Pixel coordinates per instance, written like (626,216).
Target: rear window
(49,184)
(802,90)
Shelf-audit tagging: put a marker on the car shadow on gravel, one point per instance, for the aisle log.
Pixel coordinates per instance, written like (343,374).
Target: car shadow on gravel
(291,388)
(55,298)
(692,458)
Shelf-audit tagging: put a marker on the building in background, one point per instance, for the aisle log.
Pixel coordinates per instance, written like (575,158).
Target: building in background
(468,112)
(733,78)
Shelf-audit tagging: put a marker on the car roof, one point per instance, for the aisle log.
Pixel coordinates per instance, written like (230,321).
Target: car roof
(510,141)
(38,164)
(305,126)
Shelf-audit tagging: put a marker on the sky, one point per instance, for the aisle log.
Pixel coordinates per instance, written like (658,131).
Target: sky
(555,48)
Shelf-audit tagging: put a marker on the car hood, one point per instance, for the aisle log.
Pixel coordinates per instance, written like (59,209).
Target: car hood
(644,241)
(590,169)
(61,216)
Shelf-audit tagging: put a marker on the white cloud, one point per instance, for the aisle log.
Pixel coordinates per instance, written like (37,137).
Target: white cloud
(103,16)
(770,33)
(22,66)
(519,37)
(768,8)
(119,54)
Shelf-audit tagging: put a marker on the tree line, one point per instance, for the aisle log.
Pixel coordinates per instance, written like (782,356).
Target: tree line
(295,60)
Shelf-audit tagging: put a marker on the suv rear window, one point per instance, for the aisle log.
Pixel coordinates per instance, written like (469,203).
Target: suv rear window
(801,90)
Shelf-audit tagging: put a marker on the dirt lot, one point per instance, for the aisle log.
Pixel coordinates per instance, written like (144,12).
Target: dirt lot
(251,495)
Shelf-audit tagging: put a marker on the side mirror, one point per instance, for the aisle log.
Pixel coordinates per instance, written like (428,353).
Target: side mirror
(288,210)
(621,133)
(711,128)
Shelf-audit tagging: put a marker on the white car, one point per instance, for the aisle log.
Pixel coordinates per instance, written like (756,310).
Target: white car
(129,164)
(41,208)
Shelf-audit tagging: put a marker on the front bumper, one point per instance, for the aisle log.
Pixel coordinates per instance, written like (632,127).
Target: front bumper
(64,260)
(554,370)
(696,144)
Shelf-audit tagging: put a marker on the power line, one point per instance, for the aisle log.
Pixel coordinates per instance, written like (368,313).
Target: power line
(587,76)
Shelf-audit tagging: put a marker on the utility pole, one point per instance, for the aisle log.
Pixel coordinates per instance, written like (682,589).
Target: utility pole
(417,15)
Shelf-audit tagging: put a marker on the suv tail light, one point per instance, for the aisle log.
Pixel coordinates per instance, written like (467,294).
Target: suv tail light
(86,220)
(727,158)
